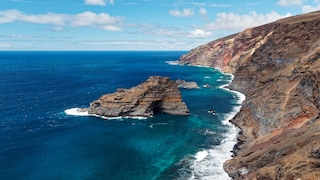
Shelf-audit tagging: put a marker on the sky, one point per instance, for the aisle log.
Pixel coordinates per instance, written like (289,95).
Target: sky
(134,24)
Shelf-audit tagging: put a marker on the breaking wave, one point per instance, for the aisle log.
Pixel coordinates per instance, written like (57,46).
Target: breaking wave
(207,164)
(173,62)
(80,112)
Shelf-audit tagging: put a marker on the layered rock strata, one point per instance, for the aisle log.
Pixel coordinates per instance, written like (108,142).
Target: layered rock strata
(277,67)
(156,94)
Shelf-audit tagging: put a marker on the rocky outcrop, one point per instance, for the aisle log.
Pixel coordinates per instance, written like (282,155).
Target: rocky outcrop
(277,67)
(187,85)
(156,94)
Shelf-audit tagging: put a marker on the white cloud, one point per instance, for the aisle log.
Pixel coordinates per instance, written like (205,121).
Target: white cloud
(308,8)
(5,45)
(290,2)
(236,22)
(15,15)
(100,21)
(220,5)
(9,16)
(184,13)
(198,3)
(199,33)
(203,12)
(96,2)
(110,28)
(99,2)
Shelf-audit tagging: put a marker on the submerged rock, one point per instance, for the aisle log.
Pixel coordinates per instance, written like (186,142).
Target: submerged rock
(156,94)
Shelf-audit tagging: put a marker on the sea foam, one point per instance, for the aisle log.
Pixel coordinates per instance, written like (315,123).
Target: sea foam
(79,112)
(201,155)
(208,163)
(173,62)
(76,112)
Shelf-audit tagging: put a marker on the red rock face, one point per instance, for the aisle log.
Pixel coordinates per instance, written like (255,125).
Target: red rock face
(277,67)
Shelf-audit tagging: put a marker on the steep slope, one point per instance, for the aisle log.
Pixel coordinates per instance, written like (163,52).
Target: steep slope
(277,67)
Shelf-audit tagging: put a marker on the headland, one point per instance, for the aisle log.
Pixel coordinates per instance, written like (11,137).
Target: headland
(277,67)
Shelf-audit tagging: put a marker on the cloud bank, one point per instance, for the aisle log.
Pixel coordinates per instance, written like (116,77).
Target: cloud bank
(102,21)
(309,8)
(237,22)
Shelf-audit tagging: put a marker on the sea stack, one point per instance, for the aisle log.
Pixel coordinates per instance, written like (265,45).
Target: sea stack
(277,67)
(155,95)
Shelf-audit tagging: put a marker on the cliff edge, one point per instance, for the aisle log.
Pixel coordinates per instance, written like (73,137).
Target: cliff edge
(277,67)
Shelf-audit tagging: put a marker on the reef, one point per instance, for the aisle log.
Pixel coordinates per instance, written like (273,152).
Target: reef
(277,67)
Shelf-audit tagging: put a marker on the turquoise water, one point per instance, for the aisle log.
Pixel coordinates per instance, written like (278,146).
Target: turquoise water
(40,141)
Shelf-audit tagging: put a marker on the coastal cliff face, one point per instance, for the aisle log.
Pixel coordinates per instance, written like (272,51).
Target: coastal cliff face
(156,94)
(277,67)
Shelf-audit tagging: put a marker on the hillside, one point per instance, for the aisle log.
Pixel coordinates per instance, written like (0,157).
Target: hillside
(277,67)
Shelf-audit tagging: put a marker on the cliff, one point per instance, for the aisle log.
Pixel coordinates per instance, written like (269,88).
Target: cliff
(156,94)
(277,67)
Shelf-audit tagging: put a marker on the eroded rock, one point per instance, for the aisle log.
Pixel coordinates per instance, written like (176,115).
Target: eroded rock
(156,94)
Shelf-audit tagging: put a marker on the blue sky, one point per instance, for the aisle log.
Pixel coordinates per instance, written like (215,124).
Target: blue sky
(133,25)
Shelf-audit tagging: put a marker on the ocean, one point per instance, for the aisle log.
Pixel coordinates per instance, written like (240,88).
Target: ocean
(39,140)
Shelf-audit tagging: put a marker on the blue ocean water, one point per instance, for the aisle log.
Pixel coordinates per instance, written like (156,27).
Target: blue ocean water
(40,141)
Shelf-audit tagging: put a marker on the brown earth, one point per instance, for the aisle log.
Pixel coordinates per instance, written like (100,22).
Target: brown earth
(277,67)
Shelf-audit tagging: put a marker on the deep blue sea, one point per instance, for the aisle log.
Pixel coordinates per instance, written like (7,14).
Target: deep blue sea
(38,140)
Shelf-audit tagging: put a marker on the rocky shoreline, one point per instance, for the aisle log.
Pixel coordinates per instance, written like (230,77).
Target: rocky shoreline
(277,67)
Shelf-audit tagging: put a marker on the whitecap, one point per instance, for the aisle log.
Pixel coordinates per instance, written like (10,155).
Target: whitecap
(201,155)
(173,62)
(76,112)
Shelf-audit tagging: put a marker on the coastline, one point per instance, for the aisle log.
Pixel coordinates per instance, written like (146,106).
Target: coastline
(204,158)
(227,144)
(277,67)
(205,163)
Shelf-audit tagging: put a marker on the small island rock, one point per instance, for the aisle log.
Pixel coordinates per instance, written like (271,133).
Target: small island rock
(156,94)
(187,85)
